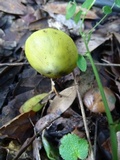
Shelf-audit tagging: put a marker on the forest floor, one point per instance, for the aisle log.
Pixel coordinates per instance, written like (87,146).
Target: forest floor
(21,132)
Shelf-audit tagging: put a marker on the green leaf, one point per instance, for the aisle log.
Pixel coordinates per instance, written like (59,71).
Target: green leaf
(51,151)
(117,2)
(70,10)
(107,10)
(72,147)
(77,16)
(88,4)
(81,63)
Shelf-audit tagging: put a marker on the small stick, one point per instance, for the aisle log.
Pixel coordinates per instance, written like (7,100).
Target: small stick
(95,137)
(14,64)
(48,119)
(84,117)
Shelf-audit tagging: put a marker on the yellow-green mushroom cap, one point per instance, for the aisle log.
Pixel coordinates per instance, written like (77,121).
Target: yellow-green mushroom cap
(51,52)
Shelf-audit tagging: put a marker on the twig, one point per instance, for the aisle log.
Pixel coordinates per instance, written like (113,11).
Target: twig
(95,137)
(26,63)
(106,64)
(13,64)
(84,117)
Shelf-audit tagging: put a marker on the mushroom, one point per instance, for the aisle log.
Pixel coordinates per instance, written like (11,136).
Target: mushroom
(93,100)
(51,52)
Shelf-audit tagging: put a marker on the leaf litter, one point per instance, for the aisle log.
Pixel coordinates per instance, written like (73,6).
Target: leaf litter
(18,84)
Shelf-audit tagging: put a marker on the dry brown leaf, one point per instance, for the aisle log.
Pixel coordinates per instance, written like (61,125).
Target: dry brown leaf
(7,75)
(19,127)
(63,101)
(45,121)
(95,41)
(39,24)
(13,7)
(68,96)
(59,105)
(60,8)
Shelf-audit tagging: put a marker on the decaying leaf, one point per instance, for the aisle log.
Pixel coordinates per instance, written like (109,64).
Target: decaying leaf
(60,8)
(7,76)
(45,121)
(59,105)
(62,101)
(59,127)
(11,110)
(20,127)
(41,124)
(33,103)
(13,7)
(39,24)
(95,41)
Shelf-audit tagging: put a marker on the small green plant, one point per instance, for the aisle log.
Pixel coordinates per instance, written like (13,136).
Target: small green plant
(72,147)
(70,12)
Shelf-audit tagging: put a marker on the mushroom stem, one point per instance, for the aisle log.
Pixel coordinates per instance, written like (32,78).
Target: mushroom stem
(53,89)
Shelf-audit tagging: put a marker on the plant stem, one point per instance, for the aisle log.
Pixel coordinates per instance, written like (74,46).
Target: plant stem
(97,24)
(113,137)
(100,21)
(108,113)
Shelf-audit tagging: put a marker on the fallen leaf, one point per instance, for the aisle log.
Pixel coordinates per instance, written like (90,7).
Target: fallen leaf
(95,41)
(59,105)
(11,110)
(62,101)
(59,128)
(20,127)
(41,124)
(7,76)
(39,24)
(13,7)
(45,121)
(60,8)
(33,103)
